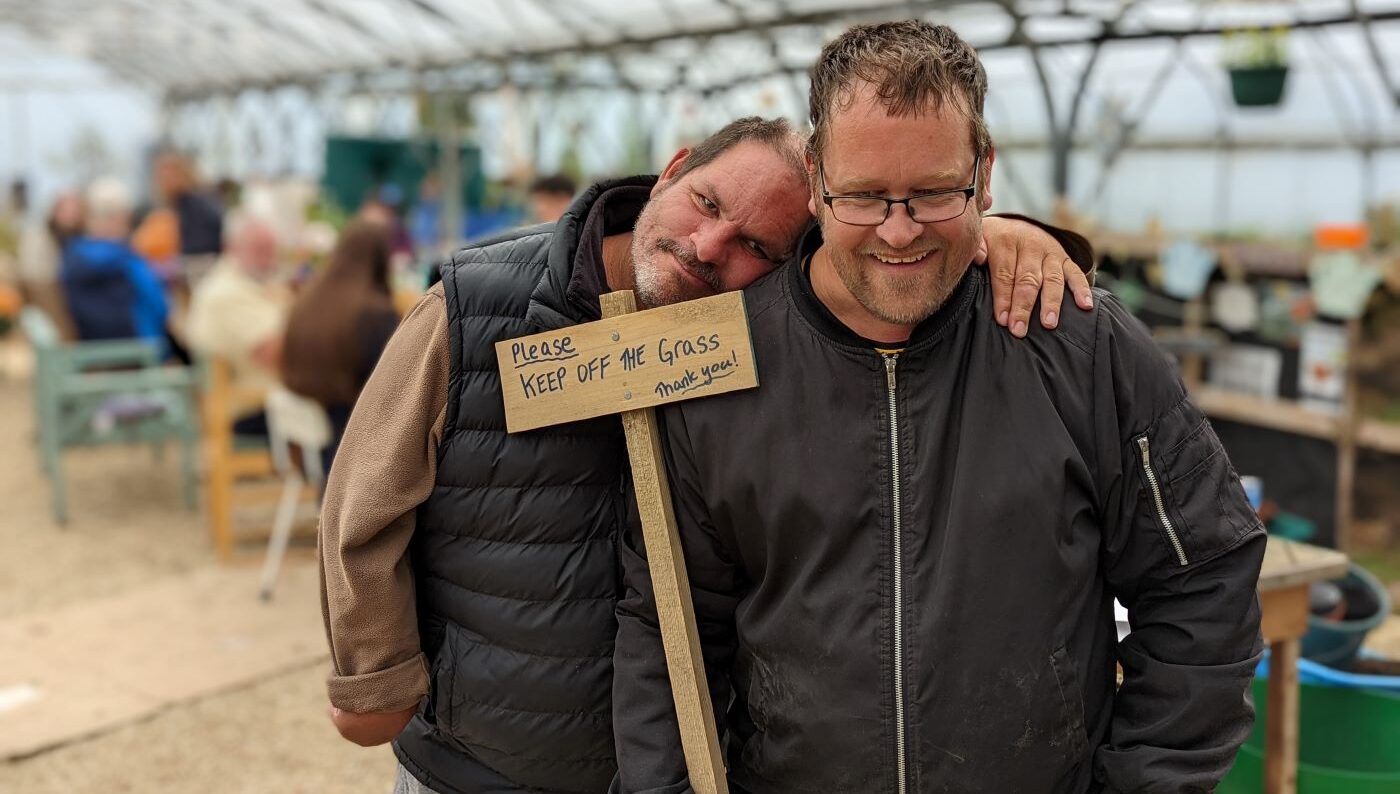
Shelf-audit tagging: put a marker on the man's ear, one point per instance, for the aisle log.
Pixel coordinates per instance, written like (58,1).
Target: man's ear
(984,189)
(670,171)
(811,183)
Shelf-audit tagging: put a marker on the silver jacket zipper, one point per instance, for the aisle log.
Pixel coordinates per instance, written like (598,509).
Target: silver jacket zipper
(900,756)
(1157,499)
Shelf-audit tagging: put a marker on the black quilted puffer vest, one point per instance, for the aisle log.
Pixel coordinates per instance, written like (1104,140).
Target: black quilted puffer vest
(515,552)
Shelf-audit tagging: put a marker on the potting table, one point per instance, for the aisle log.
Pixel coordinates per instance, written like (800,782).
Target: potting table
(1288,569)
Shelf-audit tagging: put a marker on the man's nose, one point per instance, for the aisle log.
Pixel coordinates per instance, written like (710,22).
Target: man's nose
(899,229)
(710,241)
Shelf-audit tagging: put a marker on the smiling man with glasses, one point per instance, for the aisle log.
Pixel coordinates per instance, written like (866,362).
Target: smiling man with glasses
(904,547)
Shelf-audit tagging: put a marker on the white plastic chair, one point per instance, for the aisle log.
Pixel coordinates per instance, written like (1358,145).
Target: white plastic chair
(291,419)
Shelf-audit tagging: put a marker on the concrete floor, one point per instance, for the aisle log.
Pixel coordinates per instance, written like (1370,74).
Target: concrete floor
(109,661)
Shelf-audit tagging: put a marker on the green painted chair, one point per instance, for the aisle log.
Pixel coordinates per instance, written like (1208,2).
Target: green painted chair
(107,392)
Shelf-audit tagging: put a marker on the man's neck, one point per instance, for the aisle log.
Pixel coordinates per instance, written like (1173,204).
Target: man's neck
(832,292)
(617,261)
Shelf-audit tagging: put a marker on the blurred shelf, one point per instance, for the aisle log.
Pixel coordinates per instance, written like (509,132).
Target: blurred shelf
(1186,342)
(1276,414)
(1379,435)
(1290,416)
(1267,258)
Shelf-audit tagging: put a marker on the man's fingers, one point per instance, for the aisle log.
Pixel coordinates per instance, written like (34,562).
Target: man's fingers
(1002,264)
(1023,299)
(1052,292)
(1078,282)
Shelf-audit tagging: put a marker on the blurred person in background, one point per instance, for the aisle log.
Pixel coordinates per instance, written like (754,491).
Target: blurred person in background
(12,217)
(339,325)
(201,222)
(238,312)
(157,240)
(12,220)
(385,208)
(229,193)
(65,222)
(112,293)
(425,218)
(40,258)
(39,243)
(550,197)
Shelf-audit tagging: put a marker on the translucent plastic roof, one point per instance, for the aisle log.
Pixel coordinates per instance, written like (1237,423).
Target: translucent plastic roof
(192,48)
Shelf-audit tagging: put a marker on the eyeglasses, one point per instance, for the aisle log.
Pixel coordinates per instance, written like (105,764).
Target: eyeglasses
(930,207)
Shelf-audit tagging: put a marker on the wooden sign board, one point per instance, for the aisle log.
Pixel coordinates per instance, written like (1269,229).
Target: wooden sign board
(628,362)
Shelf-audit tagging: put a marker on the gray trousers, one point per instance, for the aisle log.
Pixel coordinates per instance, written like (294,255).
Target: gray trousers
(406,783)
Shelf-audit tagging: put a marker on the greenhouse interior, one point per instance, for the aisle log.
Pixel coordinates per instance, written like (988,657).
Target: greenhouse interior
(259,258)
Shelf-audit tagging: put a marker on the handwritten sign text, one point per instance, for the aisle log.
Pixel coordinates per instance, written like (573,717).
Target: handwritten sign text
(678,352)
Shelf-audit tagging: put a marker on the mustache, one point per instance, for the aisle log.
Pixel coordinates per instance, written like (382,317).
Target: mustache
(702,270)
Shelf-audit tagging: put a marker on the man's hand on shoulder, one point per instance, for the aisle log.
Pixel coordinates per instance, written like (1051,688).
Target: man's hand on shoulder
(1026,263)
(375,728)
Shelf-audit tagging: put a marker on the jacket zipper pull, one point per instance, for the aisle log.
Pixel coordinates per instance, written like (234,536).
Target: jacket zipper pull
(1155,487)
(890,360)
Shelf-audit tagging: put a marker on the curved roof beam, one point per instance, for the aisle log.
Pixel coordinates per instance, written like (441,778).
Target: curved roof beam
(311,40)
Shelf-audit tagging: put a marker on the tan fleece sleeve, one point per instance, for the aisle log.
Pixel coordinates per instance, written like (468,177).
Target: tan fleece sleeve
(384,469)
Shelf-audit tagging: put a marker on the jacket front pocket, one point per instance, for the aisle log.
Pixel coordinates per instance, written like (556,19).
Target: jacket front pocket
(1071,731)
(443,673)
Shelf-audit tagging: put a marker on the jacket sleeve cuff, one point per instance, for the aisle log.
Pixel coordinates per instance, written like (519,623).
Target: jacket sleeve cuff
(1075,244)
(392,689)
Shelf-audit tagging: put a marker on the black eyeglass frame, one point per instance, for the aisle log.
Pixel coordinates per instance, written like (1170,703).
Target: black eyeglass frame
(969,193)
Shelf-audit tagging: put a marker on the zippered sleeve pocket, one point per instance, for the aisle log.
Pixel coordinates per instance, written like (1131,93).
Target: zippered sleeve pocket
(1190,491)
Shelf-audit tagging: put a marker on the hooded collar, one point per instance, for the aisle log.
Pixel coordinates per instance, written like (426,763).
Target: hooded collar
(576,276)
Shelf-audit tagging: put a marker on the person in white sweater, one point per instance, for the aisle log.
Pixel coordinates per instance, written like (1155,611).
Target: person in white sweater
(238,313)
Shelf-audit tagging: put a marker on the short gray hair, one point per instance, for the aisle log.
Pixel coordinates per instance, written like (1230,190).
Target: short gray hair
(107,198)
(777,134)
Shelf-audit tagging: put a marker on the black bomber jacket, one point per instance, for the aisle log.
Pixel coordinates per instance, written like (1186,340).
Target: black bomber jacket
(903,564)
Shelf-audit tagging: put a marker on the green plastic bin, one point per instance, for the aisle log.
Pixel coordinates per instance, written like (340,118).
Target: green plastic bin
(1348,743)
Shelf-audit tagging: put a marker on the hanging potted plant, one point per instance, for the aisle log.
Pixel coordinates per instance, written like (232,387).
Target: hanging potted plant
(1258,64)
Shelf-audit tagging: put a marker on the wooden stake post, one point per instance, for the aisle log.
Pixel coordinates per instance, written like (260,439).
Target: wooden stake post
(629,363)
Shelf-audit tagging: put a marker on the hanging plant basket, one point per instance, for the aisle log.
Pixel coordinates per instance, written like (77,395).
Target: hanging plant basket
(1258,86)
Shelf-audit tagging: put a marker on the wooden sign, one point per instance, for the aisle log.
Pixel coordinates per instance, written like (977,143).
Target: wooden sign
(627,362)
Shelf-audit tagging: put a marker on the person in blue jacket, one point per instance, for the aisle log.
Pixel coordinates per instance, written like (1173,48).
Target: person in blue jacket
(112,292)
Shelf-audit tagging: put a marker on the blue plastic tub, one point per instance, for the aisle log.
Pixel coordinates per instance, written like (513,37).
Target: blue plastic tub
(1336,642)
(1310,672)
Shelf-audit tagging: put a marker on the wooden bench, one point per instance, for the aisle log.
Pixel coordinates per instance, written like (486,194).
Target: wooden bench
(78,389)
